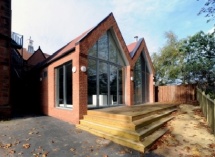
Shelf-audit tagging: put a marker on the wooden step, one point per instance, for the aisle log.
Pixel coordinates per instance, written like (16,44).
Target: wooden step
(110,115)
(128,125)
(149,140)
(142,114)
(129,114)
(110,122)
(136,127)
(149,129)
(111,130)
(149,119)
(136,145)
(135,135)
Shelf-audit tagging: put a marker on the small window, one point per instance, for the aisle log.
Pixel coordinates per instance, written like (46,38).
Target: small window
(44,74)
(64,85)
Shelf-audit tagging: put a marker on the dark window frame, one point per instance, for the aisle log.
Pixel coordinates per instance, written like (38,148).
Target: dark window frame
(62,102)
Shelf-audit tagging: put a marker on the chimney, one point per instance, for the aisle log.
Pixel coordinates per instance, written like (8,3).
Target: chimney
(136,37)
(30,46)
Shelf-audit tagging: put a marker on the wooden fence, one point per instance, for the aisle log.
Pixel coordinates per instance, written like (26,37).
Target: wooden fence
(180,94)
(208,108)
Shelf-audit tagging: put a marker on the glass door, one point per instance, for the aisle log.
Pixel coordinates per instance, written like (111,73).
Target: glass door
(103,84)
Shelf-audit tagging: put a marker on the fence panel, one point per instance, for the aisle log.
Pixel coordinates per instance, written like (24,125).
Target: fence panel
(182,93)
(208,108)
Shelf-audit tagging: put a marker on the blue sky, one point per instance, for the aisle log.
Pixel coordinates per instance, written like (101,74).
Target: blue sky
(54,23)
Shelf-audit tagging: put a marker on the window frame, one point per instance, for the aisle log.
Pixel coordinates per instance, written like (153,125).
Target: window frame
(65,87)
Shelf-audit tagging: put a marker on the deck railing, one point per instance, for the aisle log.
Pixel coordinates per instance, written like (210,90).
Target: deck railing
(208,108)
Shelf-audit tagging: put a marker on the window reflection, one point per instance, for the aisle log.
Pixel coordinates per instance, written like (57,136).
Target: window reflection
(64,85)
(141,79)
(105,85)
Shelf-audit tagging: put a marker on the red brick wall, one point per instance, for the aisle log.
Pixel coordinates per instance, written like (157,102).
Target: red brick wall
(5,49)
(48,91)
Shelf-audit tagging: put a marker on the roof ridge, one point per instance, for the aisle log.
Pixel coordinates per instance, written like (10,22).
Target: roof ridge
(132,53)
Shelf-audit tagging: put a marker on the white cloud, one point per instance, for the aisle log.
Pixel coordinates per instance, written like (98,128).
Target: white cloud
(211,30)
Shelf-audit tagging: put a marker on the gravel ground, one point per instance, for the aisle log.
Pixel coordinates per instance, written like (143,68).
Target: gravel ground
(189,136)
(43,136)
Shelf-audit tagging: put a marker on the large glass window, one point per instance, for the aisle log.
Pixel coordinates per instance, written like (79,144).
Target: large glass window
(103,47)
(138,86)
(64,85)
(141,80)
(105,62)
(113,84)
(103,83)
(92,80)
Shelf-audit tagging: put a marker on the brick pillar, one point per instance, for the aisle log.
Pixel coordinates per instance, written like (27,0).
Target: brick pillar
(80,85)
(129,87)
(5,49)
(151,89)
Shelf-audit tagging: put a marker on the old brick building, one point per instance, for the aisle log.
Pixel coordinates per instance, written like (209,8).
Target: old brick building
(5,49)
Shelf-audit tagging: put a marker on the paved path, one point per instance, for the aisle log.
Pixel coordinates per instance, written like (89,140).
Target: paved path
(46,136)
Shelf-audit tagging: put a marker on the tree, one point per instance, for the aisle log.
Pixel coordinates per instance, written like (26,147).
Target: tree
(209,10)
(168,63)
(191,60)
(199,51)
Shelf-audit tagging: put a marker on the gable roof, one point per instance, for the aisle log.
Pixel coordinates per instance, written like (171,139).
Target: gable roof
(108,23)
(135,50)
(37,57)
(131,46)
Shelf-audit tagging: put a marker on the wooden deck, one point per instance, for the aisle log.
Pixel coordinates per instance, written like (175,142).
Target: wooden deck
(136,109)
(136,126)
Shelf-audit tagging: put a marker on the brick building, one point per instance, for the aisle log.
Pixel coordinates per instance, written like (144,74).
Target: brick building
(96,70)
(24,94)
(5,49)
(15,65)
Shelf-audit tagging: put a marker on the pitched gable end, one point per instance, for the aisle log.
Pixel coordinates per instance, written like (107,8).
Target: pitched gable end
(138,48)
(107,24)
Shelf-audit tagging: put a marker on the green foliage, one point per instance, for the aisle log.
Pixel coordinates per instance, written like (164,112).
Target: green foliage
(168,63)
(191,60)
(199,58)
